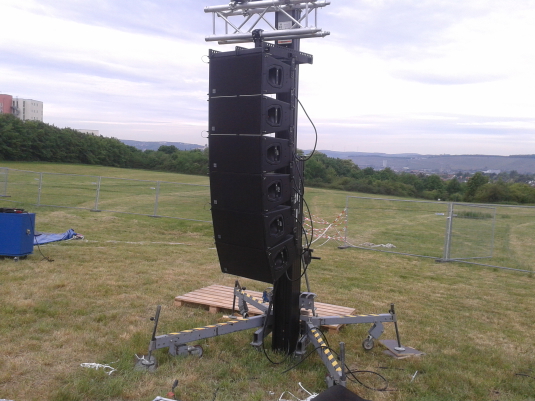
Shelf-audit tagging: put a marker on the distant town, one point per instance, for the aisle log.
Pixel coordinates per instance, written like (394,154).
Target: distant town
(440,164)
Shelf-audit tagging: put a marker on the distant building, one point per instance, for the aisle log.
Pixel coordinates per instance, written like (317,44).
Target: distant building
(27,109)
(6,102)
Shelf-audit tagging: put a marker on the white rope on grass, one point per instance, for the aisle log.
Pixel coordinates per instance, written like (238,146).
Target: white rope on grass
(322,233)
(136,243)
(372,245)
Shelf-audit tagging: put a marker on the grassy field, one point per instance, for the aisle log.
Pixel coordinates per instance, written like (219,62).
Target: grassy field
(93,302)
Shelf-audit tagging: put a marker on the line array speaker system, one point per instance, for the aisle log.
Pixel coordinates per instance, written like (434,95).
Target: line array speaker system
(250,185)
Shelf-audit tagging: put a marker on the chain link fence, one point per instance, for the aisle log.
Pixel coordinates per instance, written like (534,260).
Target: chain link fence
(96,193)
(499,236)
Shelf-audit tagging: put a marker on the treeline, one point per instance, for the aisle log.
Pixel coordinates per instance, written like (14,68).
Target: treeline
(37,141)
(511,187)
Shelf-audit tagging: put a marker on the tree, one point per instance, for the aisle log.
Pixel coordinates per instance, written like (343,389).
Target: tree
(168,149)
(453,186)
(474,183)
(433,183)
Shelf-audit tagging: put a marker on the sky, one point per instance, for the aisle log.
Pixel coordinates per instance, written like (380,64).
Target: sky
(393,76)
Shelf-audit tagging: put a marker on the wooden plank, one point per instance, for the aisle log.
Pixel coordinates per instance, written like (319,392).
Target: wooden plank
(219,297)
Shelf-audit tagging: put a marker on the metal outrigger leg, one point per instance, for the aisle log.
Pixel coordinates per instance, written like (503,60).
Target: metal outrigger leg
(310,332)
(178,342)
(313,335)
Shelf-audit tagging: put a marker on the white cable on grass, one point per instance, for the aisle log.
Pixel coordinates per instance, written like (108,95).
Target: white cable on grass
(311,395)
(309,398)
(98,366)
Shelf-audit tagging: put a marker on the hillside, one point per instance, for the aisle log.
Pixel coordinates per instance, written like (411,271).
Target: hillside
(399,162)
(438,163)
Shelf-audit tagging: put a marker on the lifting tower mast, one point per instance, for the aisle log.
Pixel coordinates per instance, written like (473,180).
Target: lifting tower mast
(292,22)
(238,144)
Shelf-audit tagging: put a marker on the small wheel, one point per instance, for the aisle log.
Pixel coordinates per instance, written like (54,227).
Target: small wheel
(196,350)
(368,344)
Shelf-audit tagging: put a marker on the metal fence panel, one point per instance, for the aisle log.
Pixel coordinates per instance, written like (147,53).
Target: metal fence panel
(513,238)
(127,196)
(193,201)
(151,198)
(472,235)
(22,186)
(408,227)
(499,236)
(67,190)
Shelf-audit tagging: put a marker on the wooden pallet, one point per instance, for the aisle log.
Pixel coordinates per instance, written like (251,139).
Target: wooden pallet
(219,298)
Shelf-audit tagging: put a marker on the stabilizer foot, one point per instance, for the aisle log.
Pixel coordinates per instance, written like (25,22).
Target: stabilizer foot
(148,363)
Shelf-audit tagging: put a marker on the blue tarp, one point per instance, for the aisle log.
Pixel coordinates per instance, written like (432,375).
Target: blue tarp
(45,238)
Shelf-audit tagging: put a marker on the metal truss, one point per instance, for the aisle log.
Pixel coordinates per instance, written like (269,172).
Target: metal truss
(261,14)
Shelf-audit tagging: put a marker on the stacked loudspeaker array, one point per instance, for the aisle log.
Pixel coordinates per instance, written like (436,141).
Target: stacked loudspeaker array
(251,156)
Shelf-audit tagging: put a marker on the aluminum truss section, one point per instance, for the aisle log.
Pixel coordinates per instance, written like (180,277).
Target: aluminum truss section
(242,17)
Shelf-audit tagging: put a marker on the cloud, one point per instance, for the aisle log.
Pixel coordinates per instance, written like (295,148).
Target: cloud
(182,19)
(398,28)
(393,74)
(437,78)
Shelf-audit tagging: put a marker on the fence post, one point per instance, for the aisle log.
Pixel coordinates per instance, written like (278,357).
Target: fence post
(95,209)
(447,239)
(493,233)
(345,228)
(346,214)
(39,190)
(156,200)
(6,170)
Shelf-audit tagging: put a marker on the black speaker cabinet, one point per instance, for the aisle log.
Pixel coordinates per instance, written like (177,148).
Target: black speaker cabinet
(257,264)
(248,115)
(252,193)
(248,74)
(248,154)
(253,230)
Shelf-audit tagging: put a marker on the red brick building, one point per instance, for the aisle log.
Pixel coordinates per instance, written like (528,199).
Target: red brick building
(6,101)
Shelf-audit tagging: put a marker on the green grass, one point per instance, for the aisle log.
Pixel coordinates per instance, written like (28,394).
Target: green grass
(93,303)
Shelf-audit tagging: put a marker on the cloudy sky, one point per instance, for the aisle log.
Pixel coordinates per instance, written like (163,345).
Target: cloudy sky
(394,76)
